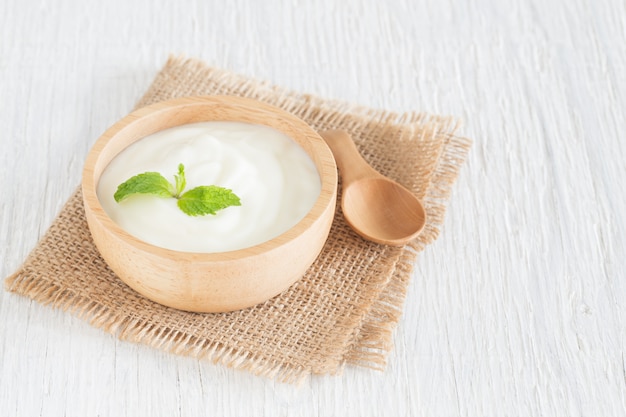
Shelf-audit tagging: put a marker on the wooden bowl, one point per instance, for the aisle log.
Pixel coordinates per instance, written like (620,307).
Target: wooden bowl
(209,282)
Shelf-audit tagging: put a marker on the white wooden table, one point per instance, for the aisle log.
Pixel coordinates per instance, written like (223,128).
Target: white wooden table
(518,309)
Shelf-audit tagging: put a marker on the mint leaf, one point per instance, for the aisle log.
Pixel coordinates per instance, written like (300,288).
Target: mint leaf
(207,200)
(181,182)
(146,183)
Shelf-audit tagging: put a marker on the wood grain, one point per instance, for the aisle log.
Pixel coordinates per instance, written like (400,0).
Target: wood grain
(517,309)
(375,206)
(209,282)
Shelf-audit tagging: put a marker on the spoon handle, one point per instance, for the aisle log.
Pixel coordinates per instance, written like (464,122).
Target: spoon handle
(349,161)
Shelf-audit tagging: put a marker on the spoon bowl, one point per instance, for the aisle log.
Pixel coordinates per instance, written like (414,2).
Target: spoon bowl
(376,207)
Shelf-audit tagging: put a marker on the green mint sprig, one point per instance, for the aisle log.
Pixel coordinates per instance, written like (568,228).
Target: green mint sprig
(199,201)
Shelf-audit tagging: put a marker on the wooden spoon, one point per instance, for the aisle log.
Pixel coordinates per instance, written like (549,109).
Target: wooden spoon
(376,207)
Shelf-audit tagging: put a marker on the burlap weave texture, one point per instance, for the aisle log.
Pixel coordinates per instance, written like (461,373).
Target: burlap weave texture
(344,309)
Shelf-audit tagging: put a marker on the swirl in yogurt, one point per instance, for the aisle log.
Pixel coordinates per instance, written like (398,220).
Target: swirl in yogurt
(274,177)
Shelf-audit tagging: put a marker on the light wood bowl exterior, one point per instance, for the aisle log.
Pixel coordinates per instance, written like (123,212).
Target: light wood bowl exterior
(209,282)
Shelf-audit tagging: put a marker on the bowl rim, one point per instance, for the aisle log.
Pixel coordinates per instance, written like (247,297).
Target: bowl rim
(327,171)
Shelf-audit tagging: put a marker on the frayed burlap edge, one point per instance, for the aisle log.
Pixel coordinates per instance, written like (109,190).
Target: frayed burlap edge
(371,341)
(374,340)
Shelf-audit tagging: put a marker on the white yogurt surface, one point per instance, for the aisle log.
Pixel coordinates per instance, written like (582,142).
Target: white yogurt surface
(273,176)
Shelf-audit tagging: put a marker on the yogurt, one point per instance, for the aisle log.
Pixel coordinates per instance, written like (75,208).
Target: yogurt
(275,179)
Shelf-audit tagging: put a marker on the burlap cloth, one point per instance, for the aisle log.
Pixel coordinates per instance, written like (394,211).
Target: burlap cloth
(345,308)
